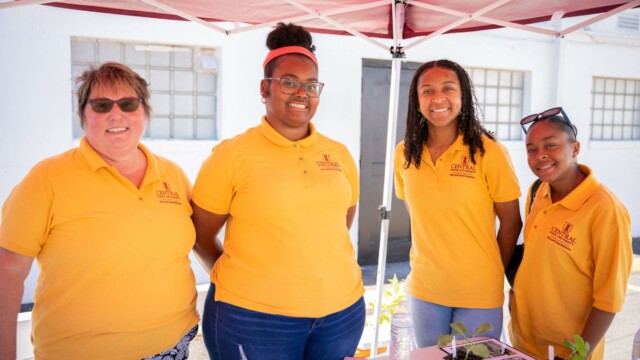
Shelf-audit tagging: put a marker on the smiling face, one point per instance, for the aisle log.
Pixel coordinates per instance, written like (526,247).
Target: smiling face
(550,153)
(289,115)
(440,97)
(114,135)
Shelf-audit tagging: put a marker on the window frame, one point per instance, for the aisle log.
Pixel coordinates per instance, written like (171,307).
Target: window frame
(193,119)
(615,109)
(490,95)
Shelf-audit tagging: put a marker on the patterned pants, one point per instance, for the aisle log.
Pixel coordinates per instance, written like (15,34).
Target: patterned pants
(180,351)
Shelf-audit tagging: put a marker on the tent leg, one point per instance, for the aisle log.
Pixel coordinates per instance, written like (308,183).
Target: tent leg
(385,208)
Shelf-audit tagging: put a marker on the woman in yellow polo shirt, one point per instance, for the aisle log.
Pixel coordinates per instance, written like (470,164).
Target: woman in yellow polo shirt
(455,178)
(110,225)
(573,276)
(286,284)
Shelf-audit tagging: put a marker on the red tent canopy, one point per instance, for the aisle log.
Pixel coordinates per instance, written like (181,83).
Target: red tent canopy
(368,18)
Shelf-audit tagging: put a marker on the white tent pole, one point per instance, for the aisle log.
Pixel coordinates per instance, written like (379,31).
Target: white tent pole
(184,15)
(459,22)
(354,32)
(327,19)
(385,207)
(512,25)
(311,14)
(11,4)
(556,62)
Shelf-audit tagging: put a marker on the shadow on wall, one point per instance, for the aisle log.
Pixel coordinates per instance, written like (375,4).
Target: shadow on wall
(636,245)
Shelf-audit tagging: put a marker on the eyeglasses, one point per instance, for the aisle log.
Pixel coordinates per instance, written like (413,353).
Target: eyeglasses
(103,106)
(528,121)
(289,86)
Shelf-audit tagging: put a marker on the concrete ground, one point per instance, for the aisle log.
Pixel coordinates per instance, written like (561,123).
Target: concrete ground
(619,339)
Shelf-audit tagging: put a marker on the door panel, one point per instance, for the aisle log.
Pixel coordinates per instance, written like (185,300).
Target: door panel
(376,82)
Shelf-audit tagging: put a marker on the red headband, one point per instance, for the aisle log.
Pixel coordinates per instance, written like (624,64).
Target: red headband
(289,50)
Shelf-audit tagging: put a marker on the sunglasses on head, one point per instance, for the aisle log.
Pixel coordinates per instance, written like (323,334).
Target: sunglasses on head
(103,106)
(528,121)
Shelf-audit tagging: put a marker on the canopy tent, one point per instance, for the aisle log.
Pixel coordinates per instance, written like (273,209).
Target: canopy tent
(392,25)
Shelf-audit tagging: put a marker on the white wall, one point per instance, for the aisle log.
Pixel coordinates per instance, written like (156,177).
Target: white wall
(35,116)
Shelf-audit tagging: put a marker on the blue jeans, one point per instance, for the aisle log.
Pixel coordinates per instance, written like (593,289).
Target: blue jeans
(432,320)
(231,332)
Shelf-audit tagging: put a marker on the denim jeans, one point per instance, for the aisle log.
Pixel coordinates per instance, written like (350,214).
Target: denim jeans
(231,332)
(432,320)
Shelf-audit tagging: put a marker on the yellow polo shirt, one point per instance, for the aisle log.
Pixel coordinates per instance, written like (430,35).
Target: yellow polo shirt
(577,255)
(455,258)
(115,278)
(287,249)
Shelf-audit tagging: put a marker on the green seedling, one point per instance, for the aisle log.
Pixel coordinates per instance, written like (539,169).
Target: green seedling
(579,348)
(480,350)
(392,296)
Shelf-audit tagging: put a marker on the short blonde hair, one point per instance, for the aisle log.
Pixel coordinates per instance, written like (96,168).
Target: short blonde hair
(110,74)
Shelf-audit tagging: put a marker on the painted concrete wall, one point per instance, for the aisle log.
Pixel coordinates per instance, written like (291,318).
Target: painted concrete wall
(35,116)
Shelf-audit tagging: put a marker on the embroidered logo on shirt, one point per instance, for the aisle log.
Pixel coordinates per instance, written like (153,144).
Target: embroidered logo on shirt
(167,196)
(327,164)
(562,236)
(464,169)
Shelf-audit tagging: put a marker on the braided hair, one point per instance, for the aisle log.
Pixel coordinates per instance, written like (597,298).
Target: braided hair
(286,35)
(468,120)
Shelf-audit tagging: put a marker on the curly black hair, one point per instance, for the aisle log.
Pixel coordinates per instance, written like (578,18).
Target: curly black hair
(468,121)
(287,35)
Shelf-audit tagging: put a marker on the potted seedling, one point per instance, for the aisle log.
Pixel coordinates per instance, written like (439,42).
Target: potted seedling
(579,348)
(394,293)
(470,350)
(392,296)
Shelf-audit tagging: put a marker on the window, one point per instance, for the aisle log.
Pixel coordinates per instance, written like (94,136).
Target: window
(500,95)
(615,109)
(629,21)
(182,81)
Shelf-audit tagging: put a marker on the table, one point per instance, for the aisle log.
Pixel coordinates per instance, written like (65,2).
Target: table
(501,350)
(429,353)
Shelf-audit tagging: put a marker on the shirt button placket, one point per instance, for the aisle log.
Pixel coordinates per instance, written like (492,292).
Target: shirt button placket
(302,164)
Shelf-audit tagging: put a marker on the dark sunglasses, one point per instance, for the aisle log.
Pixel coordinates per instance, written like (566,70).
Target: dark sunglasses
(103,106)
(528,121)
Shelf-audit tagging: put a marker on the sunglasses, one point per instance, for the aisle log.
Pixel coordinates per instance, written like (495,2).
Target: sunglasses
(103,106)
(528,121)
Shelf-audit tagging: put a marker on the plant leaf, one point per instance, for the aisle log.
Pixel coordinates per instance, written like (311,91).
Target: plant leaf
(569,344)
(583,351)
(481,350)
(483,328)
(459,328)
(444,340)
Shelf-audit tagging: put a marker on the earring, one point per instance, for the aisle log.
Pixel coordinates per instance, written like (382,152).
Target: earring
(461,115)
(262,98)
(423,120)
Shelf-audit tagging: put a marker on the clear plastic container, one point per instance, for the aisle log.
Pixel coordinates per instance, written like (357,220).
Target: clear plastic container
(401,341)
